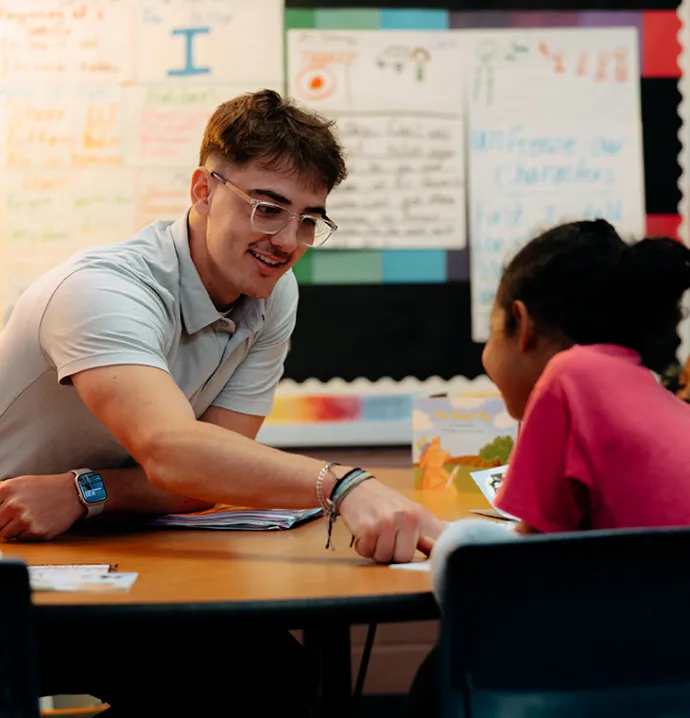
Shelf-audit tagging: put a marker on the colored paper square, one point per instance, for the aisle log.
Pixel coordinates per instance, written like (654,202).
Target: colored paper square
(304,269)
(660,46)
(348,19)
(347,267)
(414,19)
(458,265)
(298,17)
(663,225)
(414,266)
(490,19)
(543,19)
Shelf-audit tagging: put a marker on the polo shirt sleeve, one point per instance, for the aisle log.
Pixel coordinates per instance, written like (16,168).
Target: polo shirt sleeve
(98,317)
(251,388)
(541,486)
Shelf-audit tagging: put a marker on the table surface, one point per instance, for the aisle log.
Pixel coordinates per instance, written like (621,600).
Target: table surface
(194,567)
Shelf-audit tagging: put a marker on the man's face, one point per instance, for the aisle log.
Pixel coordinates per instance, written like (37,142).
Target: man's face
(242,258)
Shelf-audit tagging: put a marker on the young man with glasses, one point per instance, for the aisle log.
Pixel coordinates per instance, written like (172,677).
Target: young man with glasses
(153,362)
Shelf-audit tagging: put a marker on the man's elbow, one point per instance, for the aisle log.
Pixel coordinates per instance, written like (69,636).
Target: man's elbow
(158,454)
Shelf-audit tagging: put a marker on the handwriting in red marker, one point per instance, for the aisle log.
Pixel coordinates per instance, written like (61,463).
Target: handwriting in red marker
(622,69)
(557,58)
(605,65)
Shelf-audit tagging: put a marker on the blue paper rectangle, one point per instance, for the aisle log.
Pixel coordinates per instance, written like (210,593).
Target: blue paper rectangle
(414,19)
(413,266)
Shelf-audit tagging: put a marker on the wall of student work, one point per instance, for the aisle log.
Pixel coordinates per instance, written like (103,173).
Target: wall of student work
(367,313)
(421,299)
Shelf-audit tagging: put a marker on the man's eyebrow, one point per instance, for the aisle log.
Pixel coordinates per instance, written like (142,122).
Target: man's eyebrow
(284,200)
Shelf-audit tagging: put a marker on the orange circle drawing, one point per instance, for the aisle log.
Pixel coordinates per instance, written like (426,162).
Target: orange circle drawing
(315,83)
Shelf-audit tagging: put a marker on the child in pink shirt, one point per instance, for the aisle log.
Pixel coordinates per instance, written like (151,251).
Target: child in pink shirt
(580,322)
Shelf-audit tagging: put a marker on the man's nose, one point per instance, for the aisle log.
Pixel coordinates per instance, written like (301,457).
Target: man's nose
(286,239)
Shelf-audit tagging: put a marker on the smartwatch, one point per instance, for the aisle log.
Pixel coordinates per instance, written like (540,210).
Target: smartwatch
(90,490)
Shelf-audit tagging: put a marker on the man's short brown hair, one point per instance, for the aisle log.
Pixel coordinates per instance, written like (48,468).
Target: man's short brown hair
(265,127)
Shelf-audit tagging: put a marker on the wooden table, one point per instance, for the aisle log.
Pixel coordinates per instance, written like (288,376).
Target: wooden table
(286,578)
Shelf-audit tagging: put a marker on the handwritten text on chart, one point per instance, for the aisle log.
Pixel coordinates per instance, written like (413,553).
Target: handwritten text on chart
(527,179)
(59,133)
(547,162)
(405,183)
(76,42)
(169,123)
(72,208)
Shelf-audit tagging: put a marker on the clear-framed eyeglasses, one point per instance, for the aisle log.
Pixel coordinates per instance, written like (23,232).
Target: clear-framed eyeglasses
(270,218)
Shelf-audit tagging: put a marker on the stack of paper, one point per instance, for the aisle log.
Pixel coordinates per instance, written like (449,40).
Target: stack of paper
(236,518)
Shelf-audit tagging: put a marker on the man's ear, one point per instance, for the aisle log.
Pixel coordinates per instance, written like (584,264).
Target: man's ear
(526,332)
(200,190)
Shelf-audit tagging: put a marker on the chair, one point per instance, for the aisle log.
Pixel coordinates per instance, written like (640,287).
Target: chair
(582,625)
(18,667)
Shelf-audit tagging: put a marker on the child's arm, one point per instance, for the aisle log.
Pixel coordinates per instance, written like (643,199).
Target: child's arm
(545,483)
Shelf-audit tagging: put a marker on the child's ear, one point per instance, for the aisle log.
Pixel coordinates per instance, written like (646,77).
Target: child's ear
(526,333)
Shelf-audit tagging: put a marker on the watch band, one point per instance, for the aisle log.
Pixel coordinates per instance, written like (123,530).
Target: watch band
(91,509)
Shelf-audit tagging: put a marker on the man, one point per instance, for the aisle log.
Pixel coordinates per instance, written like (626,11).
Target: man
(150,365)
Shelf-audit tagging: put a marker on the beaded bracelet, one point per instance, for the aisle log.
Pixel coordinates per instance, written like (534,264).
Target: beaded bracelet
(342,488)
(323,501)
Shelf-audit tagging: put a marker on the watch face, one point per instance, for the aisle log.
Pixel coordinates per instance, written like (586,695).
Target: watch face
(92,488)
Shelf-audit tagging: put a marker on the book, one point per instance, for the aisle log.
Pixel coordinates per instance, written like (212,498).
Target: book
(489,481)
(230,518)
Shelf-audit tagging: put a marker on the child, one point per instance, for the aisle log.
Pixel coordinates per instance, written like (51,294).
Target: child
(580,322)
(580,319)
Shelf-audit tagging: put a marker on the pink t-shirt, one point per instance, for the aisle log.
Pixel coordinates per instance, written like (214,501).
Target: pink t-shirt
(602,445)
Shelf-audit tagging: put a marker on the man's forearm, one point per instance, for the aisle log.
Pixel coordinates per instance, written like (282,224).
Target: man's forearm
(130,491)
(214,464)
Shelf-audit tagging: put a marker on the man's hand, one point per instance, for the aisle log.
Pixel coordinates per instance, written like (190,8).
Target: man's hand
(386,525)
(34,508)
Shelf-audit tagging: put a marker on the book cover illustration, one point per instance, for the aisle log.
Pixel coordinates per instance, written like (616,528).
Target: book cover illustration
(455,435)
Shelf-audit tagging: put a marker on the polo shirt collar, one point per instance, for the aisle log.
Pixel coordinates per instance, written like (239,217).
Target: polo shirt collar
(198,311)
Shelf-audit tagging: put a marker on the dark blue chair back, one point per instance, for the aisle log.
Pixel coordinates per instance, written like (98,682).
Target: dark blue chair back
(18,668)
(583,625)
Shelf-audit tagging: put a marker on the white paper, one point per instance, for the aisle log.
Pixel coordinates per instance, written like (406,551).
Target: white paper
(415,566)
(233,43)
(489,481)
(398,101)
(79,577)
(166,123)
(554,135)
(51,42)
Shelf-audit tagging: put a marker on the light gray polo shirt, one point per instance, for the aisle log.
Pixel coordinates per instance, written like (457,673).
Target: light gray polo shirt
(136,302)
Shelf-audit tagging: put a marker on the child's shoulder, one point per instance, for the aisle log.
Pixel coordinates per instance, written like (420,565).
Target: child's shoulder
(589,364)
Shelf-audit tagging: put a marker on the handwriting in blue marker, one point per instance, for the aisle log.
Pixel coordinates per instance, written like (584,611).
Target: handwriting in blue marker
(190,68)
(606,146)
(507,215)
(513,141)
(512,176)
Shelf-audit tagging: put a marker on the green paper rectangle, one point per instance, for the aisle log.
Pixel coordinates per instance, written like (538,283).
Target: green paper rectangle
(300,17)
(304,269)
(348,19)
(347,267)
